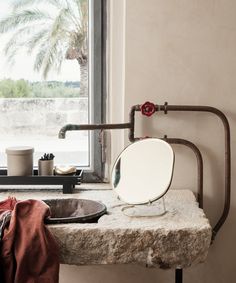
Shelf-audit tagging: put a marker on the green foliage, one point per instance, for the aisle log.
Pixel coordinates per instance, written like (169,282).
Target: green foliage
(10,88)
(52,89)
(50,36)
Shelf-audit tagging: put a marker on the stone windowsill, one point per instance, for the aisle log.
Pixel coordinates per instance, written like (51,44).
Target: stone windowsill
(178,239)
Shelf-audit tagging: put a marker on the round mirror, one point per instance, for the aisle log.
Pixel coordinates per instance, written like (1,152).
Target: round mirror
(143,171)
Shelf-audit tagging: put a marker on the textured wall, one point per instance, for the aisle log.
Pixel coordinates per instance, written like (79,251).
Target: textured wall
(182,52)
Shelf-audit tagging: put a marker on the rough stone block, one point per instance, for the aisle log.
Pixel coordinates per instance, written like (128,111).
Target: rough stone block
(178,239)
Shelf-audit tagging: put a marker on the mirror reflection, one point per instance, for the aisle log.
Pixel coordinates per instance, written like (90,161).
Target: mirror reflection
(143,171)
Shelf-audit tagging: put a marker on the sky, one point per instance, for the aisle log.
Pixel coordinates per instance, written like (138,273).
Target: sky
(23,69)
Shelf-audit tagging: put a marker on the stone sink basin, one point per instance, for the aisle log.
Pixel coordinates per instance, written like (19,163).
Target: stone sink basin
(74,210)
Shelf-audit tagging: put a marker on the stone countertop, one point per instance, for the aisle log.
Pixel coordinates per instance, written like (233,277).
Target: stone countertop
(178,239)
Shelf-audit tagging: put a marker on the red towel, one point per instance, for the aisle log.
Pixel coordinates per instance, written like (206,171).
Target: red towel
(28,253)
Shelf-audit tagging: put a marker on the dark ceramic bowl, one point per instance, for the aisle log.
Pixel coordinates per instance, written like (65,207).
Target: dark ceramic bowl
(74,210)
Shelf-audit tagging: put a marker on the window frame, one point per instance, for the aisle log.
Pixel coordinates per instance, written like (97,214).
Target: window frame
(97,89)
(97,86)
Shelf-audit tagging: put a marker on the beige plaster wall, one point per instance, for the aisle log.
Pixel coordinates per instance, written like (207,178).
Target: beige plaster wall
(183,52)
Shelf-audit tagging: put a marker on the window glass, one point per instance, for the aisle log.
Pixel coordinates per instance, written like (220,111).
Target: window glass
(44,77)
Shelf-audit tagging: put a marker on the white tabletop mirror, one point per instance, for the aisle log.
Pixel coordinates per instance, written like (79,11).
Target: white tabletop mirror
(143,171)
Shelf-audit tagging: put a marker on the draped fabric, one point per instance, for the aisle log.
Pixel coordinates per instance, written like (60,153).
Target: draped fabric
(28,251)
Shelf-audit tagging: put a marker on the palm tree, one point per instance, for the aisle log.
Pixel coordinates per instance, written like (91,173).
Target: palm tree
(50,30)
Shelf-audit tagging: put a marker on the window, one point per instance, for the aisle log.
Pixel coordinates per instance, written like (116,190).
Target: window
(52,73)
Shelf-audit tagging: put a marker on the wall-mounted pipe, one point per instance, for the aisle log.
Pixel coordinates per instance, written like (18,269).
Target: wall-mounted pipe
(198,155)
(227,162)
(166,108)
(84,127)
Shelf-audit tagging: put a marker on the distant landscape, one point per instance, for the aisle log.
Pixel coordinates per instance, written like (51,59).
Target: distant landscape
(49,89)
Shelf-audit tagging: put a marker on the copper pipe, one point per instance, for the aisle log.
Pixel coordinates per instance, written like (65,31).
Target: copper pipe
(83,127)
(227,161)
(199,164)
(227,155)
(132,121)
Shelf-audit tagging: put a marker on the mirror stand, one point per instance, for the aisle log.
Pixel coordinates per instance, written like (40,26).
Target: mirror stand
(143,210)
